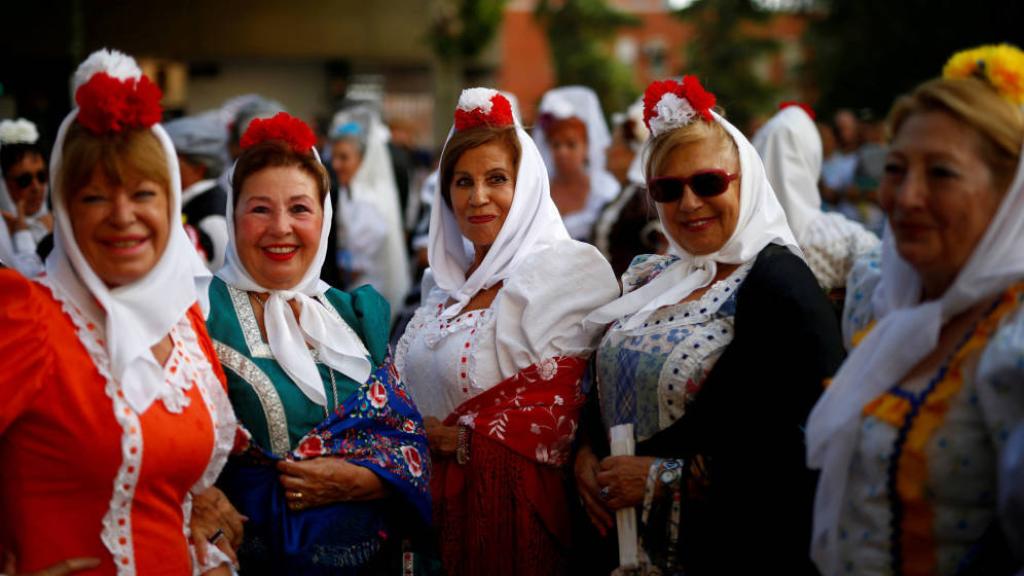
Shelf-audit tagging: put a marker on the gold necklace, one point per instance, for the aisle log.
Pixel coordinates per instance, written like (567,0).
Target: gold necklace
(262,301)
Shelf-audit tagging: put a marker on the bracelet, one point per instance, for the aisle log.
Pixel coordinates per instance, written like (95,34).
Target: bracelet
(650,488)
(462,445)
(671,470)
(672,479)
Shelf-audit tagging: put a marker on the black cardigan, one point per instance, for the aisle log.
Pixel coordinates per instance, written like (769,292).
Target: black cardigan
(748,421)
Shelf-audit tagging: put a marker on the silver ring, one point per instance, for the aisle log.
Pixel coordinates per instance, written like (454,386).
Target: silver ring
(604,493)
(216,536)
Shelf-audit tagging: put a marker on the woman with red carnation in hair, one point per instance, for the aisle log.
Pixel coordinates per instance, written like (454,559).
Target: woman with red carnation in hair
(334,477)
(113,409)
(712,360)
(495,354)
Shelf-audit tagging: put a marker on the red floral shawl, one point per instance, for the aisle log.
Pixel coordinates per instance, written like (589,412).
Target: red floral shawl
(505,510)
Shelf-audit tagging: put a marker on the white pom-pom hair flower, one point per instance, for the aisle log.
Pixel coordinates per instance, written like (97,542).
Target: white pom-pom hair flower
(671,112)
(482,106)
(477,99)
(116,64)
(18,131)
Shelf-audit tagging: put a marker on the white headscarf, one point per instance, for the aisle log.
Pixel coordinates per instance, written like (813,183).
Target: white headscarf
(532,223)
(580,102)
(907,330)
(374,184)
(21,131)
(761,222)
(139,315)
(6,248)
(790,147)
(337,345)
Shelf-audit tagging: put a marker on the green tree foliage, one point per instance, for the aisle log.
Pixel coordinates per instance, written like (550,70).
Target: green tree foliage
(723,55)
(868,52)
(579,33)
(462,29)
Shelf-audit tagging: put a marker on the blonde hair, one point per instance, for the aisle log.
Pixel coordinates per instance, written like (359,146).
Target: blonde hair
(135,153)
(998,123)
(662,145)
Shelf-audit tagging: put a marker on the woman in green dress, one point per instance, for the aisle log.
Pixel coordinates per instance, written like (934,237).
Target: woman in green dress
(334,464)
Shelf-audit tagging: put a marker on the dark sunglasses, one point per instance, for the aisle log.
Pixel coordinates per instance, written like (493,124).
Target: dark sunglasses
(24,180)
(705,184)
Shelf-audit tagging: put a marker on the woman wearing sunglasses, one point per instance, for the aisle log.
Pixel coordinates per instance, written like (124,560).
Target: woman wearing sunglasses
(23,187)
(714,355)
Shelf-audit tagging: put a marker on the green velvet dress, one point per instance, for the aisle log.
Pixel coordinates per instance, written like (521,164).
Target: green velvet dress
(266,400)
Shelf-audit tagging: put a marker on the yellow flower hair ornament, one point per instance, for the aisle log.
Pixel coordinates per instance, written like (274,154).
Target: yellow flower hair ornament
(1002,66)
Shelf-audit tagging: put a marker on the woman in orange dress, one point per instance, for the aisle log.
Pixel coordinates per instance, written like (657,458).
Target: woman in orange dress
(113,410)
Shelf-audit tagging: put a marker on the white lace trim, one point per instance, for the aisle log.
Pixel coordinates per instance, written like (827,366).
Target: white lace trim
(175,395)
(222,417)
(427,324)
(436,329)
(187,366)
(478,330)
(117,522)
(411,330)
(472,324)
(218,405)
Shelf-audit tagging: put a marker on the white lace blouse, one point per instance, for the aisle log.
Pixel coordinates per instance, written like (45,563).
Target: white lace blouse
(536,315)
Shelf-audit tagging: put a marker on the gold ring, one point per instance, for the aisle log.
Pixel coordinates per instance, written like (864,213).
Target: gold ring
(297,495)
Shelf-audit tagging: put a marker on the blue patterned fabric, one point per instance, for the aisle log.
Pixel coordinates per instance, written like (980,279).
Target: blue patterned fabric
(647,375)
(377,427)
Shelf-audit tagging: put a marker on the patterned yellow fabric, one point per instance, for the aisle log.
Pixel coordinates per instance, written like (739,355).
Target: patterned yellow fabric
(916,521)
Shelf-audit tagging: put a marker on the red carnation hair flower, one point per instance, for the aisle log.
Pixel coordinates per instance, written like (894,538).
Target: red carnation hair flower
(283,126)
(800,105)
(689,89)
(109,105)
(500,115)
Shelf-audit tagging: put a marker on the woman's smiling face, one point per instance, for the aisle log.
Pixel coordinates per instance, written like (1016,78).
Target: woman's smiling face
(278,220)
(121,229)
(701,225)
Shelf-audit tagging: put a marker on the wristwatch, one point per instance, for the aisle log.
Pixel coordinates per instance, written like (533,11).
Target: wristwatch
(671,470)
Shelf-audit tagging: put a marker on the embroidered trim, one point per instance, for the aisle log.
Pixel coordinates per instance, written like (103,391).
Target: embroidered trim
(178,376)
(273,409)
(247,320)
(916,417)
(117,522)
(436,329)
(251,328)
(476,333)
(218,406)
